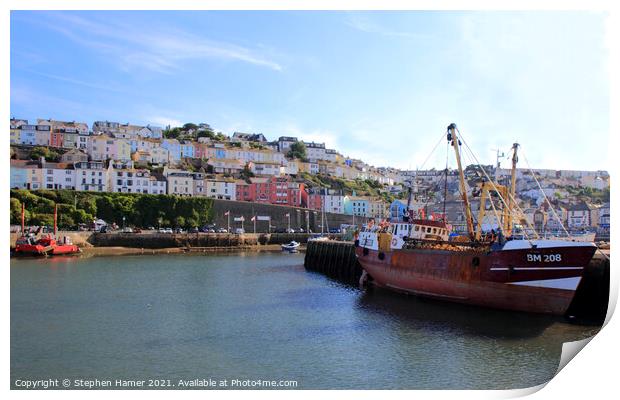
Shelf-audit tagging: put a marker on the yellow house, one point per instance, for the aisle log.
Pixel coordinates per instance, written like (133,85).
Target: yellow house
(123,150)
(15,135)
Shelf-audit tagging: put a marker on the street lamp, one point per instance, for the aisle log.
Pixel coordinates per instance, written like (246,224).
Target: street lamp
(123,222)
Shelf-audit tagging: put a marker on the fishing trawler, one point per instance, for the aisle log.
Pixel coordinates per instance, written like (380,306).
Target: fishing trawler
(492,270)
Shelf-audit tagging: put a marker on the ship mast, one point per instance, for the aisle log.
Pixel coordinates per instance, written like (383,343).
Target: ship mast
(513,179)
(453,138)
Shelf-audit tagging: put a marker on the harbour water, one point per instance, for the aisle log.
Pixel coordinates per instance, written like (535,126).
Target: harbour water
(254,316)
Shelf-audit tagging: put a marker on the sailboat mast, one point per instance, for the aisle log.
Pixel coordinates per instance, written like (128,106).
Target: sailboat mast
(513,187)
(453,138)
(55,218)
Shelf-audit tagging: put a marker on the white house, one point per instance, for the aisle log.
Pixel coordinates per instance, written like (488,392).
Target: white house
(220,189)
(58,176)
(285,142)
(180,183)
(334,203)
(264,168)
(91,175)
(579,216)
(315,151)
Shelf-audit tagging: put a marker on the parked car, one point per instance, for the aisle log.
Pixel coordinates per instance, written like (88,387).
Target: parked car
(279,230)
(127,230)
(239,231)
(179,230)
(194,230)
(334,230)
(290,230)
(211,230)
(222,230)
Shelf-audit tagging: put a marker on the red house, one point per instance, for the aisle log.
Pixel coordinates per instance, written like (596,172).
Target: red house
(314,201)
(56,137)
(272,190)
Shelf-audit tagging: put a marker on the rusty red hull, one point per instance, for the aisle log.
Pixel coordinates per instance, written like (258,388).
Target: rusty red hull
(531,280)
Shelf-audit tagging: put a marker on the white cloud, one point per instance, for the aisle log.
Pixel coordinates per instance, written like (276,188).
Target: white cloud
(366,24)
(93,85)
(136,47)
(314,135)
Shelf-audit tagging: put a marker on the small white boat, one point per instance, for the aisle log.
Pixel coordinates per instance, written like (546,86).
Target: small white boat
(290,247)
(319,239)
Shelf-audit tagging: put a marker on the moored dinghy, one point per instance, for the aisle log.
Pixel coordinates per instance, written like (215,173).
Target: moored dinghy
(290,247)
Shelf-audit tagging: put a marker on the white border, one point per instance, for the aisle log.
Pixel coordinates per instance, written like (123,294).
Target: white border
(592,374)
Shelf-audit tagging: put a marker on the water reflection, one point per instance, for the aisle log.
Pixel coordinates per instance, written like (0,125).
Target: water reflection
(463,319)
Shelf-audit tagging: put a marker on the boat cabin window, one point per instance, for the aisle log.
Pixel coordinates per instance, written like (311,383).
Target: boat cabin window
(428,230)
(435,231)
(417,228)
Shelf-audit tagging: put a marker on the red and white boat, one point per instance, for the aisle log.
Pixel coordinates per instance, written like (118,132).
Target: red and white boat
(418,257)
(47,245)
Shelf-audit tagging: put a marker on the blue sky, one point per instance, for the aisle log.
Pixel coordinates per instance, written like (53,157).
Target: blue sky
(381,86)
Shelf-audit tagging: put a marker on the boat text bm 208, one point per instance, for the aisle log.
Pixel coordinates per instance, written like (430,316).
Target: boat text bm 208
(492,269)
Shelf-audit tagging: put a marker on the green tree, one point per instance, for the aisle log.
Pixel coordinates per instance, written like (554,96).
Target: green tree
(190,126)
(172,133)
(246,173)
(40,219)
(49,154)
(297,150)
(16,211)
(179,221)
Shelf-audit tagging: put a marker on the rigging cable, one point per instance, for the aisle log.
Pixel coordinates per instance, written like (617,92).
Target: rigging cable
(495,187)
(445,184)
(432,151)
(551,206)
(544,195)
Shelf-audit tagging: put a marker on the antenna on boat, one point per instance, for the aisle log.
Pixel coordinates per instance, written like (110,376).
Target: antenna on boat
(456,143)
(498,155)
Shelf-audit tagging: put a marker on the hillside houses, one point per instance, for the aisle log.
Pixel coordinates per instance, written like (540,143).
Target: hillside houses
(130,158)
